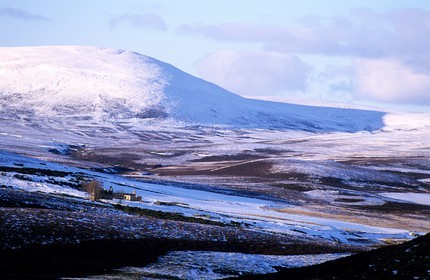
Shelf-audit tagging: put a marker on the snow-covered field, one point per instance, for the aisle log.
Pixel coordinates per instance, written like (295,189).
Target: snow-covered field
(257,214)
(343,177)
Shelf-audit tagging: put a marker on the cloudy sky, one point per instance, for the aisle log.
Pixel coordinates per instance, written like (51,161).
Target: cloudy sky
(367,52)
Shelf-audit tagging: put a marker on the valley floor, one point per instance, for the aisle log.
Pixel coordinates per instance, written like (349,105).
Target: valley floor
(259,193)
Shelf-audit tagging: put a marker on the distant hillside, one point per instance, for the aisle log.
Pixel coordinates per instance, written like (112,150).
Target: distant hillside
(96,84)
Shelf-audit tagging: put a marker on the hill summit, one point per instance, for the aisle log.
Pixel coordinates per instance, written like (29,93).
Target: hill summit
(115,85)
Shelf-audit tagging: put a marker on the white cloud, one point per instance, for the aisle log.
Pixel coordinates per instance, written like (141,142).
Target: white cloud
(391,50)
(390,80)
(362,33)
(255,73)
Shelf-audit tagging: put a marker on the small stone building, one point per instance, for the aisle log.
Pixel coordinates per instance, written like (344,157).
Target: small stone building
(128,196)
(132,196)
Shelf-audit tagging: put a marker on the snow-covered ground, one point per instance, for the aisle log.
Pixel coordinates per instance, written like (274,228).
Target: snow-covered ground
(418,198)
(215,265)
(307,172)
(257,214)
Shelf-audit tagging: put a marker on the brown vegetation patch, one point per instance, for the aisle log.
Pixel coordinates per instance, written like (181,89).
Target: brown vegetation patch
(371,218)
(397,207)
(293,186)
(349,200)
(111,157)
(236,157)
(253,168)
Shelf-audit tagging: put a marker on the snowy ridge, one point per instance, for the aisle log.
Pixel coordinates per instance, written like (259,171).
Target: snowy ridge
(99,84)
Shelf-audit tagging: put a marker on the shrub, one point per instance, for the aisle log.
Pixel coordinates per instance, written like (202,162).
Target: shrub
(94,189)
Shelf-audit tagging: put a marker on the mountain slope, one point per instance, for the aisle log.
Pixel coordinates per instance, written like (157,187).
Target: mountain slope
(114,85)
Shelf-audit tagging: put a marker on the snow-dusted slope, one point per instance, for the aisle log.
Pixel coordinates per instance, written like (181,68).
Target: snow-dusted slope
(114,85)
(53,81)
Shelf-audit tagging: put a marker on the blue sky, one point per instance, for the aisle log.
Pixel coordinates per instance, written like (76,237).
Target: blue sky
(366,52)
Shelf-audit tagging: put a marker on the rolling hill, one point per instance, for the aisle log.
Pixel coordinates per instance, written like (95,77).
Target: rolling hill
(109,85)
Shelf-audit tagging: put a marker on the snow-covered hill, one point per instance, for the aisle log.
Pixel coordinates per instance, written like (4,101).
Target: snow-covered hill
(97,84)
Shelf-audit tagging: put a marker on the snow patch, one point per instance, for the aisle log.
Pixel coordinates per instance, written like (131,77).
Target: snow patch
(218,265)
(417,198)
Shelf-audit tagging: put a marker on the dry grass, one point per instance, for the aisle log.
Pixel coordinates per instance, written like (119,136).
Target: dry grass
(408,222)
